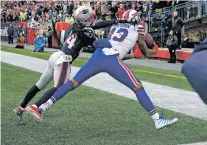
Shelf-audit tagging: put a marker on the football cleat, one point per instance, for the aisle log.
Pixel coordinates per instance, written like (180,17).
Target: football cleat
(19,110)
(43,113)
(44,107)
(34,111)
(163,122)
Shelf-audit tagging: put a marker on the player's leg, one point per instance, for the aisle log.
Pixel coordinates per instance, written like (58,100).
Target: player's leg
(88,70)
(124,75)
(45,96)
(121,72)
(43,81)
(61,76)
(59,72)
(45,78)
(91,68)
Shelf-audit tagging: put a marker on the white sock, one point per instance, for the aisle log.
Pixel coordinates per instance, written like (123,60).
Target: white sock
(50,102)
(46,105)
(155,116)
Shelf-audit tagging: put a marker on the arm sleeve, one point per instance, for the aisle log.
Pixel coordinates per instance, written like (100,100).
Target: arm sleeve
(103,24)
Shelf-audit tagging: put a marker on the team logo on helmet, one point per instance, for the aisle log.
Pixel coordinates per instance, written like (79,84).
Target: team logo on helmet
(84,11)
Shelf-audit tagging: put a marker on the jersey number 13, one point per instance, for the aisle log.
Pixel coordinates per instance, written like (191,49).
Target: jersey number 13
(118,35)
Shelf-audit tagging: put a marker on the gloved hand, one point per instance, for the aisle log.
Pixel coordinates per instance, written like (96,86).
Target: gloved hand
(125,21)
(122,21)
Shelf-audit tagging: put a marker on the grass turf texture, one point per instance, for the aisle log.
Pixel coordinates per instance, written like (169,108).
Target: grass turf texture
(88,116)
(158,76)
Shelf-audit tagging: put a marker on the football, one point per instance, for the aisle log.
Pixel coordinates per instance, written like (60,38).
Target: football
(149,40)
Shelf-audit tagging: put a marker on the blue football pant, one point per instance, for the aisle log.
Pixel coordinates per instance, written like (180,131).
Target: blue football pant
(112,65)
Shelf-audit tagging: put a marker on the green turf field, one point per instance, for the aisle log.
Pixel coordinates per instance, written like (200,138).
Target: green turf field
(158,76)
(87,116)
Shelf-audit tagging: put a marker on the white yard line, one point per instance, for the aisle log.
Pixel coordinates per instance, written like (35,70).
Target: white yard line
(199,143)
(178,100)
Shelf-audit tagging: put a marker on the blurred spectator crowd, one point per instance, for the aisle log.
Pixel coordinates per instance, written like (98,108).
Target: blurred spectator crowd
(151,13)
(42,11)
(32,10)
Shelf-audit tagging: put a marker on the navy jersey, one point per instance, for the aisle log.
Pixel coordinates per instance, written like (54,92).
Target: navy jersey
(78,37)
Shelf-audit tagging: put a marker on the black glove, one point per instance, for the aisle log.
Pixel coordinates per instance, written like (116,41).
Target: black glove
(125,21)
(122,21)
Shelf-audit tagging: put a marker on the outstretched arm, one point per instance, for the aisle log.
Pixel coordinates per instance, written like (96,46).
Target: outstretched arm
(107,23)
(103,24)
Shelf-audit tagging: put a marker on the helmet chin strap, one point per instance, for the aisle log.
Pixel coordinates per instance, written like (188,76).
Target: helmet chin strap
(82,24)
(78,26)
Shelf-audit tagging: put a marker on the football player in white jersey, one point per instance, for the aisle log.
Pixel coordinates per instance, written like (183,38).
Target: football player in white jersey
(108,58)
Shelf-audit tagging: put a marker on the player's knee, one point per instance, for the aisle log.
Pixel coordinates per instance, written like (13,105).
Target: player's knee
(35,88)
(39,86)
(75,83)
(139,86)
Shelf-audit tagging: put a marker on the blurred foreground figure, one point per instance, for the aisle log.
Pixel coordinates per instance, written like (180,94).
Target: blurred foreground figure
(195,69)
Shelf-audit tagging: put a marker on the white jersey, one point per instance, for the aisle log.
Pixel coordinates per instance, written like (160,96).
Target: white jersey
(123,38)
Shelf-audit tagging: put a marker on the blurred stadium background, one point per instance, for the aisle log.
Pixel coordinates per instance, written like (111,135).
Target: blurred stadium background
(154,16)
